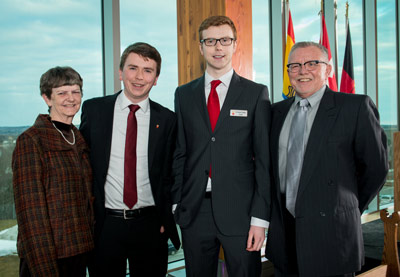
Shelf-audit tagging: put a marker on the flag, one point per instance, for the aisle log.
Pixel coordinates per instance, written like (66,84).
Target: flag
(288,90)
(347,83)
(324,40)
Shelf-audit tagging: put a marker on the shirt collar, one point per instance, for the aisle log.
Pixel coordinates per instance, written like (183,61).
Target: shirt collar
(225,79)
(314,99)
(124,102)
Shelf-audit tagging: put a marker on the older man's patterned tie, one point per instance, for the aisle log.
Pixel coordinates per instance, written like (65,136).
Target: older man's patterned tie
(295,154)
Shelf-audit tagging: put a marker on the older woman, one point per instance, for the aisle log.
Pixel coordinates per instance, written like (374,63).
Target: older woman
(52,184)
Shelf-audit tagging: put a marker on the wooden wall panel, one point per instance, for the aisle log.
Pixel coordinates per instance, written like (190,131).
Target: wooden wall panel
(241,13)
(190,14)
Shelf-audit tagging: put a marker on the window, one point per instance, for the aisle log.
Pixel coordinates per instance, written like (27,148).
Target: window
(356,31)
(36,36)
(306,20)
(140,22)
(261,67)
(387,91)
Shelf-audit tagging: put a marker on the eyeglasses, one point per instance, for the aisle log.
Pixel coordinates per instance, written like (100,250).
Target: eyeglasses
(310,66)
(213,41)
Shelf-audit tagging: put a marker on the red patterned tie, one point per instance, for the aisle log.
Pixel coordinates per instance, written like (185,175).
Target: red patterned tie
(213,104)
(130,191)
(213,107)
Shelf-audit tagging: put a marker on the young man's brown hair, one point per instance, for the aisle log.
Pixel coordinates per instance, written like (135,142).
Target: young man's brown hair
(142,49)
(217,20)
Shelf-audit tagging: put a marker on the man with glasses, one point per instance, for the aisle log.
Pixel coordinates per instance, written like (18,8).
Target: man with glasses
(329,161)
(221,164)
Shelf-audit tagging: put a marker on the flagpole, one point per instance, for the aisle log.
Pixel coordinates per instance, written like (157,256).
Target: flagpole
(324,40)
(286,10)
(335,40)
(286,14)
(320,16)
(287,89)
(321,13)
(284,29)
(347,15)
(347,83)
(322,6)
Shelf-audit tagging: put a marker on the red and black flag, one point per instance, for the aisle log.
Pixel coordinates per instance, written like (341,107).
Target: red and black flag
(324,40)
(347,84)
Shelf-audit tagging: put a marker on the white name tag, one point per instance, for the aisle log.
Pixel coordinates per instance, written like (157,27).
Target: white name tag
(239,113)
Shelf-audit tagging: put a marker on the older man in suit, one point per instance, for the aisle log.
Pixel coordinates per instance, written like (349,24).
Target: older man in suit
(221,163)
(131,140)
(329,160)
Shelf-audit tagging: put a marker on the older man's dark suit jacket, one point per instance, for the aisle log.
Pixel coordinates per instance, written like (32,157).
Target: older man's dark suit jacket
(344,167)
(97,126)
(237,150)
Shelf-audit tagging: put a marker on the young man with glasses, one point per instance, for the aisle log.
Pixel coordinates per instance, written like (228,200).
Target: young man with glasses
(221,164)
(329,161)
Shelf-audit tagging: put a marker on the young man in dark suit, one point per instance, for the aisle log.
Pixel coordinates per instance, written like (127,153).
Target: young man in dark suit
(221,164)
(131,140)
(340,163)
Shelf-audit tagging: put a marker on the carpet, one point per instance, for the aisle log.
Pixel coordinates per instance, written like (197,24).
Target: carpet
(373,234)
(373,239)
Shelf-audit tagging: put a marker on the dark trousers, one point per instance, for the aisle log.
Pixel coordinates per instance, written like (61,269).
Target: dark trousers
(137,240)
(290,237)
(74,266)
(201,245)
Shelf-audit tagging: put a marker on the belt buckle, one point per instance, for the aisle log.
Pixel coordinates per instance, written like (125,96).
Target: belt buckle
(125,214)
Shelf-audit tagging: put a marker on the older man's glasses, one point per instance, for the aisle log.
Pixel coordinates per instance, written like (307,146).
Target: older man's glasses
(213,41)
(309,66)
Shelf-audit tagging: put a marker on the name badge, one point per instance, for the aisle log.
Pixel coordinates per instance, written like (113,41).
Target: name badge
(239,113)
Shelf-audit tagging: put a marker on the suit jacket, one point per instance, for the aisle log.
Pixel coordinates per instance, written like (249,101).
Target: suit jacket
(237,150)
(53,198)
(96,127)
(345,165)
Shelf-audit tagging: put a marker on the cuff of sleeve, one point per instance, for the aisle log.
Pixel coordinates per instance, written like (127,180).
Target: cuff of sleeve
(259,222)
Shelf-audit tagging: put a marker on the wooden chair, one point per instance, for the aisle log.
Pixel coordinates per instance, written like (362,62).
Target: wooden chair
(390,266)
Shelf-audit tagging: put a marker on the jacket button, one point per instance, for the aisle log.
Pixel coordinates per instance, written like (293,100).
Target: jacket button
(213,139)
(206,172)
(330,183)
(322,214)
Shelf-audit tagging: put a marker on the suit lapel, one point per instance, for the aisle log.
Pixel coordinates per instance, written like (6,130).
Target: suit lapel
(106,123)
(234,91)
(280,112)
(199,100)
(323,122)
(154,132)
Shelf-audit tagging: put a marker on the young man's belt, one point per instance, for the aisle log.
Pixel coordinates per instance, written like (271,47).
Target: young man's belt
(131,214)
